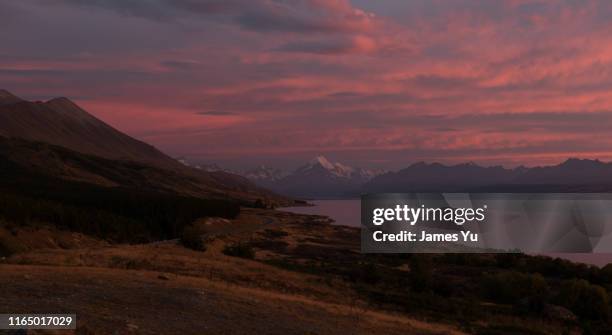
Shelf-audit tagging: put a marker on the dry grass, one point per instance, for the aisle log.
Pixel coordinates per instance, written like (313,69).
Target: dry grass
(165,288)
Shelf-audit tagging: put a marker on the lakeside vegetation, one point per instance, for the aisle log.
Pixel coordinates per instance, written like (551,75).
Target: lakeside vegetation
(482,293)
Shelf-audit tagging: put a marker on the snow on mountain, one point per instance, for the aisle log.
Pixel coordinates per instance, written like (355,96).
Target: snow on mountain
(338,169)
(265,173)
(319,178)
(320,162)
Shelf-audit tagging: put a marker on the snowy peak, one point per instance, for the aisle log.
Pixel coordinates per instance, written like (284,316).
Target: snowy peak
(318,178)
(319,168)
(322,163)
(264,173)
(367,174)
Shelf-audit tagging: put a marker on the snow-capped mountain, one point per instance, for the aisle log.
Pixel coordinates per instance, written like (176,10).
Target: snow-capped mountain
(319,178)
(340,170)
(336,169)
(264,173)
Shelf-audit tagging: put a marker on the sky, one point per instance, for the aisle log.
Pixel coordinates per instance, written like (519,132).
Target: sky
(380,83)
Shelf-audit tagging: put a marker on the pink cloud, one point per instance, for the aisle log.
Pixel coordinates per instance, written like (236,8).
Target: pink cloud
(463,80)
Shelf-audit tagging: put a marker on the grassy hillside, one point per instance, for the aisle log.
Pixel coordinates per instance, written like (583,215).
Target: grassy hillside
(131,209)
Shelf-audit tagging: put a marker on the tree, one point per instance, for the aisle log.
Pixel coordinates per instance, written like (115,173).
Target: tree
(586,300)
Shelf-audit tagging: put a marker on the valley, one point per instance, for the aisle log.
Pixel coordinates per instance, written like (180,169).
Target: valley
(134,241)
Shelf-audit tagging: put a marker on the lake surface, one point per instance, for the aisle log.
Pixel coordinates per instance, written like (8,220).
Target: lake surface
(348,213)
(343,212)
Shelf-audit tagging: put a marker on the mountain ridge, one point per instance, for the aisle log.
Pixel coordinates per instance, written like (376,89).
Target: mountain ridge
(573,174)
(320,178)
(7,98)
(62,122)
(45,130)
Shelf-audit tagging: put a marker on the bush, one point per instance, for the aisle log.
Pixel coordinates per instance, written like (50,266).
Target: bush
(606,274)
(271,233)
(586,300)
(508,260)
(512,286)
(421,272)
(239,250)
(193,238)
(367,273)
(505,329)
(10,245)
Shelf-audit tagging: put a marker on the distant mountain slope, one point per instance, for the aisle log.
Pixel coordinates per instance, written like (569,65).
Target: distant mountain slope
(573,175)
(438,177)
(264,174)
(60,122)
(571,172)
(319,178)
(322,179)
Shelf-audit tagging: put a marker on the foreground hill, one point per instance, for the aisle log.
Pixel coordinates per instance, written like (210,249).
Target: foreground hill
(59,138)
(271,272)
(61,122)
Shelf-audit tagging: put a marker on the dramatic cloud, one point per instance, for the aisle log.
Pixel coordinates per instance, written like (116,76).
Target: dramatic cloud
(357,44)
(381,83)
(215,113)
(300,16)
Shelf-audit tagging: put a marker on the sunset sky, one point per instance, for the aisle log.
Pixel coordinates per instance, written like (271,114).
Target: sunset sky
(370,83)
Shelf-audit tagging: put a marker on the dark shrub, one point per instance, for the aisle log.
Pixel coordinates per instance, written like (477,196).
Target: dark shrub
(271,233)
(421,271)
(259,204)
(239,250)
(606,274)
(510,330)
(507,260)
(193,238)
(586,300)
(367,273)
(512,286)
(9,245)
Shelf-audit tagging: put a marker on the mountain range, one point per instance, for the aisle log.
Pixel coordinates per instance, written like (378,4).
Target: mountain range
(573,175)
(318,178)
(322,179)
(59,139)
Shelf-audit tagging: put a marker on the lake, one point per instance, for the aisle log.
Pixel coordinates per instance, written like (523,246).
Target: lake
(343,212)
(348,213)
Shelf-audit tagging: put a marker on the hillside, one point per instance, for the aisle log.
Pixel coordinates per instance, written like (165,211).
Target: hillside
(59,138)
(61,122)
(298,274)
